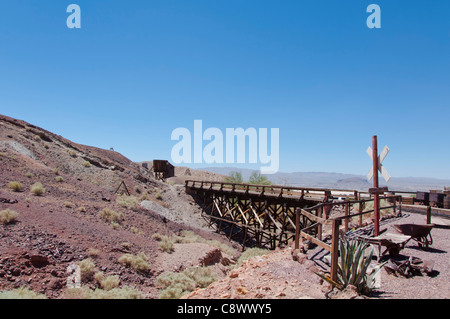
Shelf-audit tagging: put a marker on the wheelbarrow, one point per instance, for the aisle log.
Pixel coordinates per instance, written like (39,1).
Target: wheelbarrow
(420,233)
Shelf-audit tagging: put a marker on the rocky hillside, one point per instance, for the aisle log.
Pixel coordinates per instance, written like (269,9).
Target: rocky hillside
(59,209)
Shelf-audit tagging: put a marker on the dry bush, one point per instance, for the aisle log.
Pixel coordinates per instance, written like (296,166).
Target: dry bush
(138,263)
(115,293)
(86,269)
(15,186)
(59,179)
(68,204)
(86,164)
(21,293)
(129,202)
(107,282)
(175,285)
(8,216)
(37,189)
(110,215)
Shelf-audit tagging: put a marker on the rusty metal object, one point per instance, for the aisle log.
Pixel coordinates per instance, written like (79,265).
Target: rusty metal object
(420,233)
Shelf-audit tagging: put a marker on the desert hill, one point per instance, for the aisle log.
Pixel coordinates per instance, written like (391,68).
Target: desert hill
(79,216)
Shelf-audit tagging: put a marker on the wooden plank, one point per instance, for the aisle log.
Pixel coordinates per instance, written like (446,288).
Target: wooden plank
(315,240)
(313,217)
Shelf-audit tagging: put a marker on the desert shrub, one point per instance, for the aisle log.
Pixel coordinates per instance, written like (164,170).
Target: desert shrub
(15,186)
(29,175)
(59,179)
(86,269)
(56,171)
(115,225)
(129,202)
(7,216)
(107,282)
(72,153)
(21,293)
(158,195)
(37,189)
(68,204)
(138,262)
(110,215)
(115,293)
(166,244)
(174,285)
(82,209)
(86,164)
(249,253)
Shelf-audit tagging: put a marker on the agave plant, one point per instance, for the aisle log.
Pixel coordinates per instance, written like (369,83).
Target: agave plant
(353,267)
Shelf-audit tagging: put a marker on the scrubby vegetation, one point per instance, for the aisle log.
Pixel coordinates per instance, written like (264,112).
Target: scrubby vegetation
(37,189)
(138,262)
(129,202)
(21,293)
(174,285)
(15,186)
(8,216)
(110,215)
(115,293)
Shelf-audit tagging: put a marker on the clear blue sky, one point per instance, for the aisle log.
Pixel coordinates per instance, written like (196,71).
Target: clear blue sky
(136,70)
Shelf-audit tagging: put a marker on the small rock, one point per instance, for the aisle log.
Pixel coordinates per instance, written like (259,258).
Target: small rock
(39,261)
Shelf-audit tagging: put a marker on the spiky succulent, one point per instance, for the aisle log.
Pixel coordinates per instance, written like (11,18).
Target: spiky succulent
(353,267)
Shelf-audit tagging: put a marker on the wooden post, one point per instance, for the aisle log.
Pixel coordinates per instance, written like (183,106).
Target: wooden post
(376,196)
(297,229)
(360,209)
(347,212)
(319,228)
(428,214)
(334,249)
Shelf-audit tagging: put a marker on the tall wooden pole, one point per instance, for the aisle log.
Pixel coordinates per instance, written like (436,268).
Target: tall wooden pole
(376,196)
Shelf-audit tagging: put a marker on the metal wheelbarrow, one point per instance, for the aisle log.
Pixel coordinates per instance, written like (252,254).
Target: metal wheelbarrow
(420,233)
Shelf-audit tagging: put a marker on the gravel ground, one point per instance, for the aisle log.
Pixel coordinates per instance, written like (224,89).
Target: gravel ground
(436,286)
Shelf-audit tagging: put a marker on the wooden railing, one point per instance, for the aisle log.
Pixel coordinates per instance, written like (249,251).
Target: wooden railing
(318,215)
(274,190)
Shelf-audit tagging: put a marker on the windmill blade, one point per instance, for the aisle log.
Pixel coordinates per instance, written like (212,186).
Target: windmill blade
(383,154)
(369,152)
(370,174)
(385,174)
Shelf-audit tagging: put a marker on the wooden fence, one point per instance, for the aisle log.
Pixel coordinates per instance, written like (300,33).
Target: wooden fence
(318,217)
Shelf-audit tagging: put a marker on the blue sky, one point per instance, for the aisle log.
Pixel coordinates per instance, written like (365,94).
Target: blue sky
(136,70)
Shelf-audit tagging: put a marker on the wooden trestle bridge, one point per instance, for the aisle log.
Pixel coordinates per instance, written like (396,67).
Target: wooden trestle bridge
(262,215)
(271,216)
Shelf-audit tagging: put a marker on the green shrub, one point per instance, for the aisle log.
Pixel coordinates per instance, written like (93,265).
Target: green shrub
(353,267)
(15,186)
(37,189)
(8,216)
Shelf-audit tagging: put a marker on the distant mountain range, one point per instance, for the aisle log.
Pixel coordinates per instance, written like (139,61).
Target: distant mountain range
(340,181)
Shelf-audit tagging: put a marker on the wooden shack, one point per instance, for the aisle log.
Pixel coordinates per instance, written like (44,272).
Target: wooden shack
(163,169)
